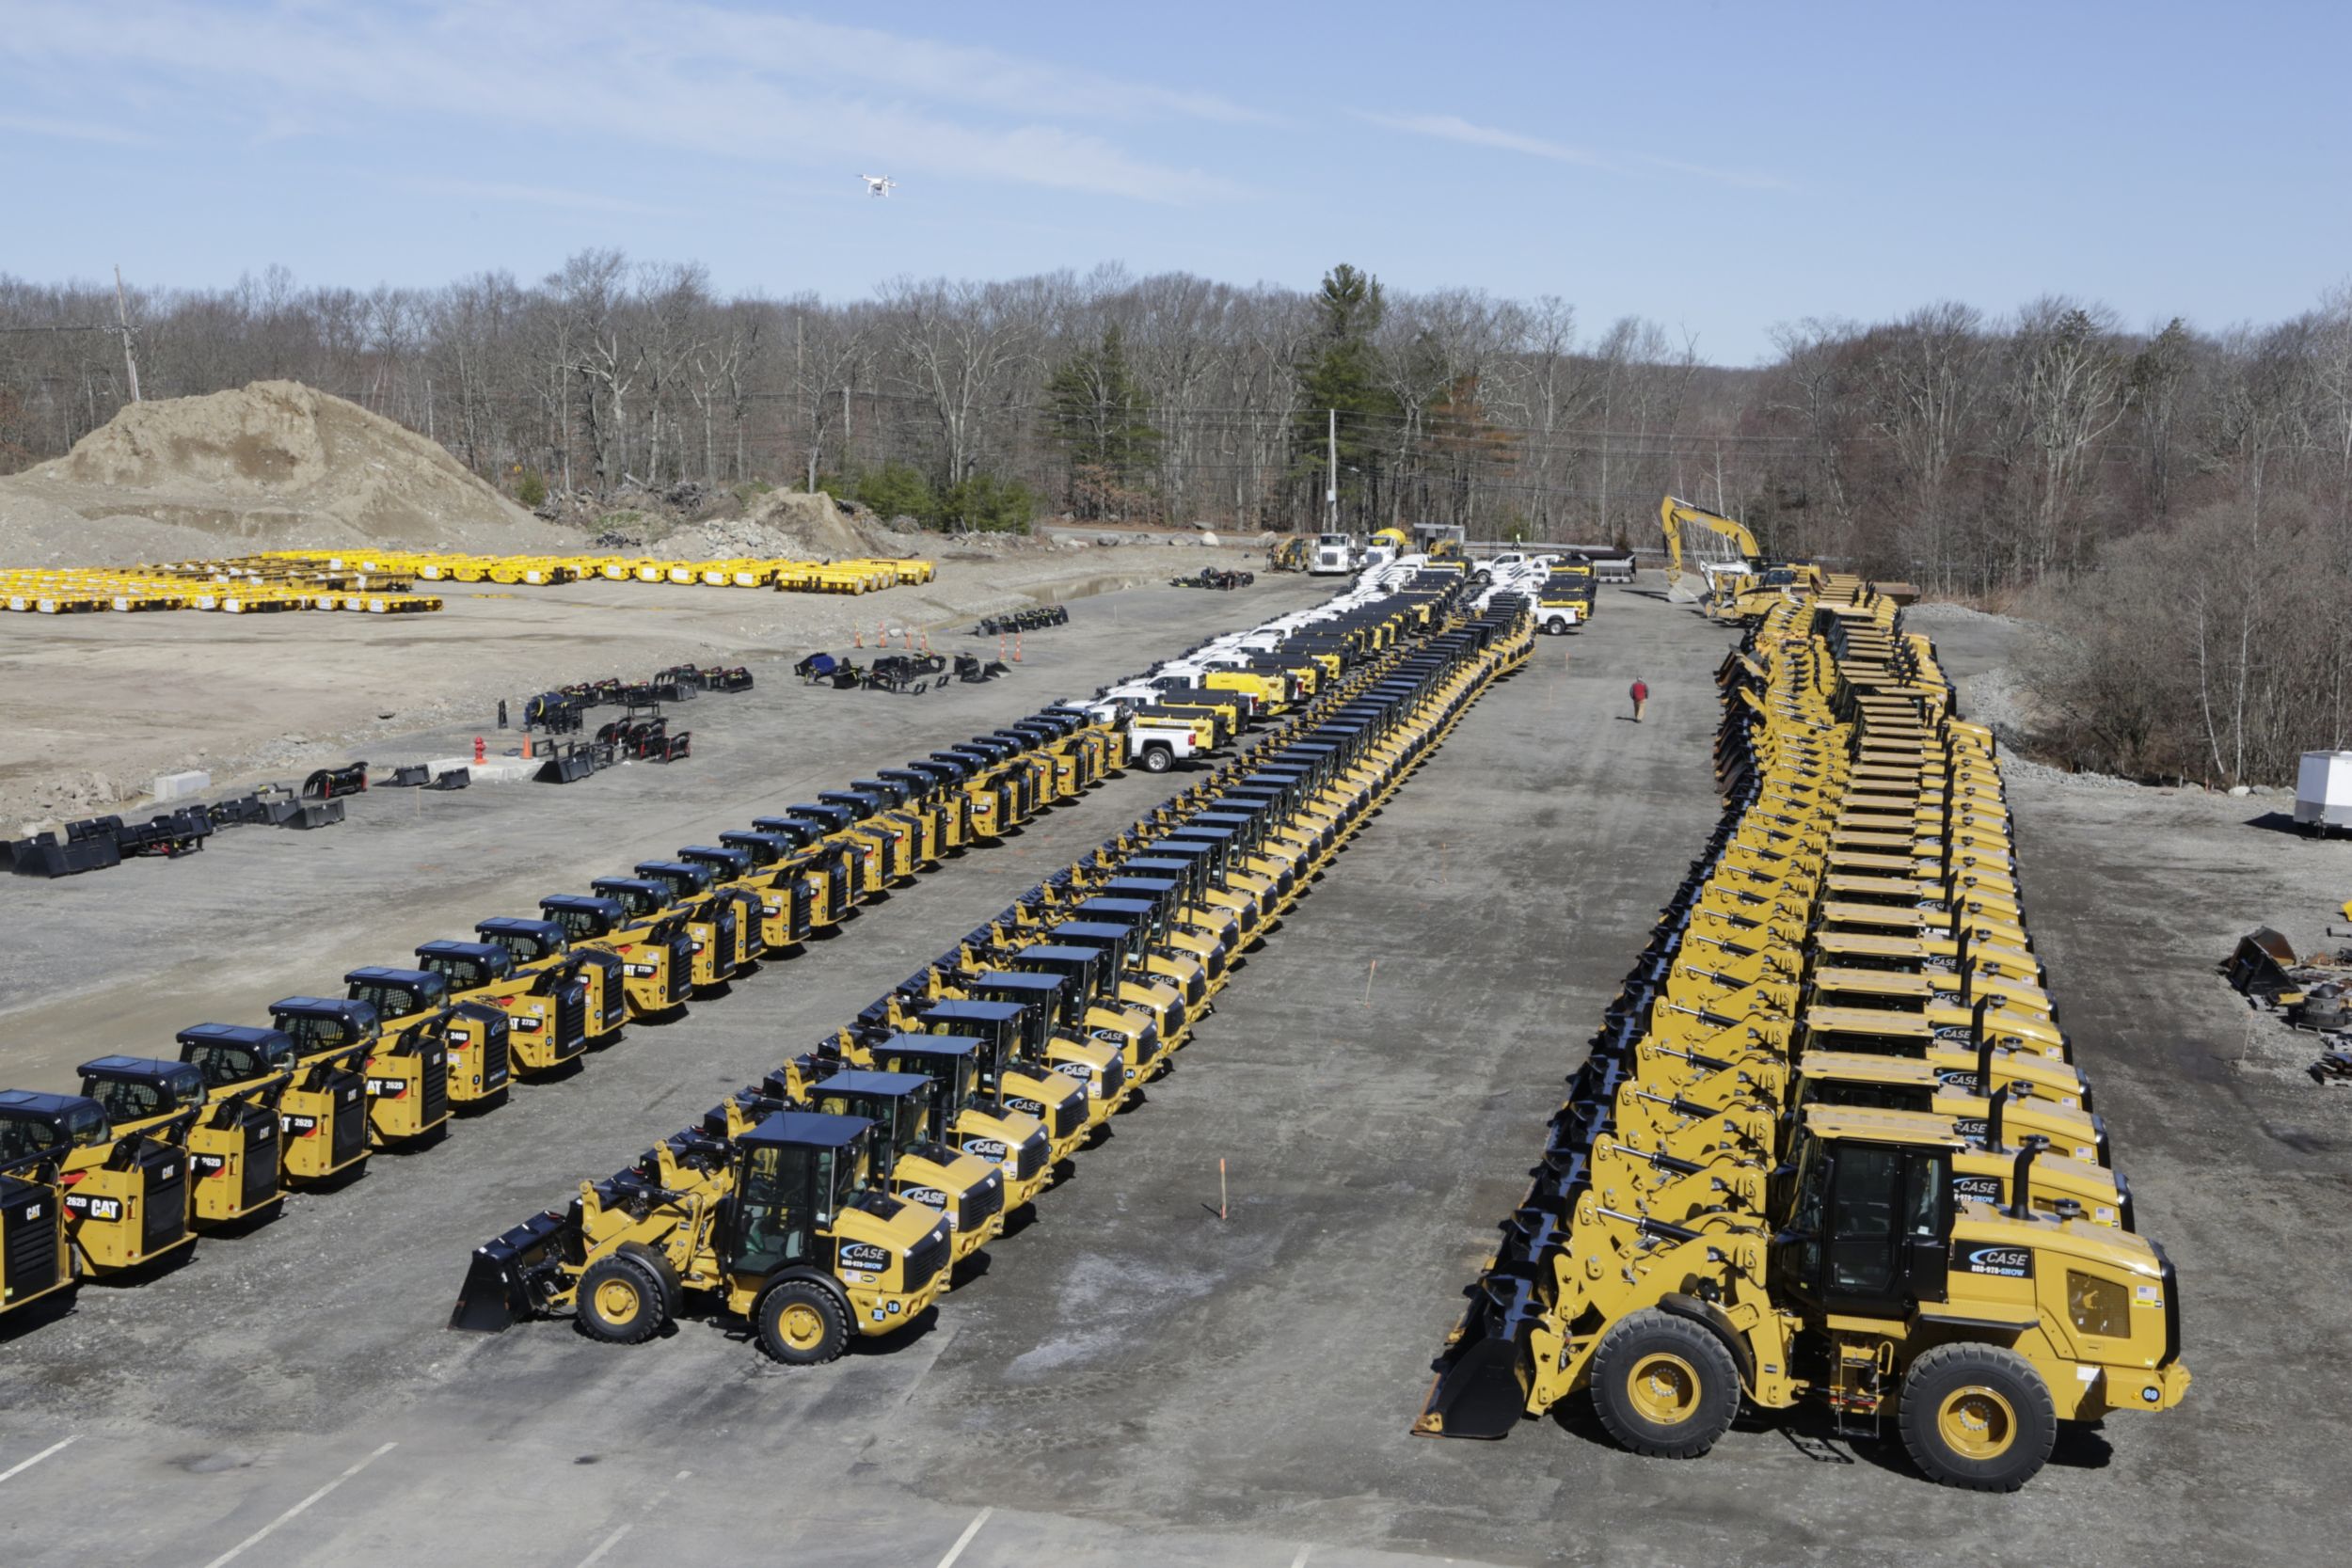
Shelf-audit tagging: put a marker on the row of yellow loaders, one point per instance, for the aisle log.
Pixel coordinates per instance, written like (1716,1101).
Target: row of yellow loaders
(205,585)
(834,1198)
(150,1152)
(1831,1145)
(865,576)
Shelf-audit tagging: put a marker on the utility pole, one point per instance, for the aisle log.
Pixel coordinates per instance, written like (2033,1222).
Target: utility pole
(122,323)
(1331,479)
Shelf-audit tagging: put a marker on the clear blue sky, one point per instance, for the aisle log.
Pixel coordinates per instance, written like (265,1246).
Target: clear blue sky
(1717,166)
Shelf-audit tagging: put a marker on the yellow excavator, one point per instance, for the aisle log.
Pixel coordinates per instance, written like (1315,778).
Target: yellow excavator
(1738,584)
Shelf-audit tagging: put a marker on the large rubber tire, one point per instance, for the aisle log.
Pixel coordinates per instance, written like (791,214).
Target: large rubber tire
(801,1325)
(1157,759)
(621,1301)
(1978,1416)
(1665,1385)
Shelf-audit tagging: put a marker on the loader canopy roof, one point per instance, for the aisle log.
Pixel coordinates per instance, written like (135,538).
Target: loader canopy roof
(1863,1124)
(807,1130)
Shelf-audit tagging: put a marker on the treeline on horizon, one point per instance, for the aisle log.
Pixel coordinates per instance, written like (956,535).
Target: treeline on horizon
(2178,498)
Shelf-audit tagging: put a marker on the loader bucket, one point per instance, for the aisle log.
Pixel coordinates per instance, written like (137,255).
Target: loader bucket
(1480,1388)
(498,1291)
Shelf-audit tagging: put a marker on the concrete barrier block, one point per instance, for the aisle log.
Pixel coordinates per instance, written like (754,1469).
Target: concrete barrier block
(179,787)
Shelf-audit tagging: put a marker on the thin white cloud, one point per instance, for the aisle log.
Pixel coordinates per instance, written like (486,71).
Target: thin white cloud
(664,73)
(71,130)
(1455,128)
(536,196)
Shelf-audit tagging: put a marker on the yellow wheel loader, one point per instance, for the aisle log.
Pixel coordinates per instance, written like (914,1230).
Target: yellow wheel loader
(911,1159)
(1048,1036)
(798,1238)
(978,1115)
(319,1094)
(408,1073)
(1978,1330)
(1010,1033)
(235,1148)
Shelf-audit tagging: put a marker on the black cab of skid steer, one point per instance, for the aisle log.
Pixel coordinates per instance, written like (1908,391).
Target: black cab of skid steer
(1165,893)
(582,916)
(320,1025)
(915,786)
(952,768)
(801,831)
(834,817)
(237,1057)
(860,804)
(141,1090)
(467,966)
(35,1124)
(526,941)
(684,878)
(639,897)
(893,794)
(726,861)
(761,848)
(397,992)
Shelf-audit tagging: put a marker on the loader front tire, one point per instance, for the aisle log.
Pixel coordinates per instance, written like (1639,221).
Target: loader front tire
(620,1301)
(1978,1416)
(1665,1385)
(803,1325)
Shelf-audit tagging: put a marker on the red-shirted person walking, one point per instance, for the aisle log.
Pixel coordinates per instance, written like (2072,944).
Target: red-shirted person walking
(1640,696)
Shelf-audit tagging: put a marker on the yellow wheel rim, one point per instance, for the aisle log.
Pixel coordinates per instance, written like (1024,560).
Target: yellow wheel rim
(616,1301)
(801,1326)
(1976,1422)
(1664,1388)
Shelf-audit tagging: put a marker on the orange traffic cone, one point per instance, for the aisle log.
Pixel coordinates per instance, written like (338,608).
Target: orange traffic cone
(857,637)
(526,747)
(1016,647)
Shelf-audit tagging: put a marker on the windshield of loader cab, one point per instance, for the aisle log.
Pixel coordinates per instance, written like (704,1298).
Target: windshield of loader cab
(22,1135)
(132,1100)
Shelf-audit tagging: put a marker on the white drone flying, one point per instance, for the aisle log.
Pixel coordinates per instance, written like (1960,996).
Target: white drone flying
(878,184)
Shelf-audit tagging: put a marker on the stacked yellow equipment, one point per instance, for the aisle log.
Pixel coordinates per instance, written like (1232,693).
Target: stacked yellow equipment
(1831,1144)
(1007,1052)
(233,587)
(864,575)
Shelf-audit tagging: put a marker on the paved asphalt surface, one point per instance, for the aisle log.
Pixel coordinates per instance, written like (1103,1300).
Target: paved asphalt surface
(1132,1379)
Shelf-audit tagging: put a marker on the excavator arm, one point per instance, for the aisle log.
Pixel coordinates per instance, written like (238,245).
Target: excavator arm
(1709,539)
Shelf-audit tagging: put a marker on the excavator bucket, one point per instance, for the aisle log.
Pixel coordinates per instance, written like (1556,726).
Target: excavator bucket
(498,1290)
(1480,1388)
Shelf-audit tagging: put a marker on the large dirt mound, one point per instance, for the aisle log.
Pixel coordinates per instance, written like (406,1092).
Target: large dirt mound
(271,466)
